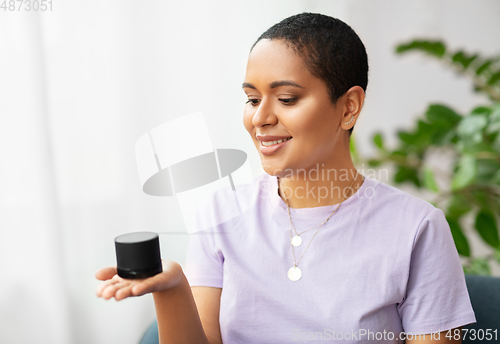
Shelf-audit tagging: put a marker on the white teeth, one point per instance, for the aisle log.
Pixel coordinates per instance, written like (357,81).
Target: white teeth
(270,143)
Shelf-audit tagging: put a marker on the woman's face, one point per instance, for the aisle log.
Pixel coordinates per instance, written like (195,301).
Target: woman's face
(286,101)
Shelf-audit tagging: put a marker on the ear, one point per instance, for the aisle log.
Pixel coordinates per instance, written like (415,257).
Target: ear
(354,99)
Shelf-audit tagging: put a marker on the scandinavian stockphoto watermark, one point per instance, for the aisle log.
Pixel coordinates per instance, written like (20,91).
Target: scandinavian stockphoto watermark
(329,182)
(359,334)
(368,335)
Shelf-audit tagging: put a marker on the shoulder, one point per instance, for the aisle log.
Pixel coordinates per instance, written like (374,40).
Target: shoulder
(396,199)
(383,201)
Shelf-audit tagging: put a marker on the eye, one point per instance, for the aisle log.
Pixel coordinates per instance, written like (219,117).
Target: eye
(253,102)
(287,101)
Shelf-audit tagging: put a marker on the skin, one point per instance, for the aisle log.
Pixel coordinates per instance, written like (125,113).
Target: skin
(185,315)
(302,110)
(285,99)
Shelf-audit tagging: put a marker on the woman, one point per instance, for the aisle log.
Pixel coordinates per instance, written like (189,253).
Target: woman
(381,263)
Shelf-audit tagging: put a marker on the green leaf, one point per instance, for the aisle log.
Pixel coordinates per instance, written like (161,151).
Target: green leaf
(467,170)
(482,68)
(494,78)
(472,124)
(494,120)
(486,169)
(442,115)
(481,110)
(442,136)
(423,127)
(378,139)
(406,137)
(495,204)
(458,206)
(496,178)
(458,237)
(481,198)
(471,127)
(473,147)
(422,136)
(462,59)
(496,144)
(435,48)
(397,154)
(405,173)
(487,227)
(374,162)
(429,180)
(479,266)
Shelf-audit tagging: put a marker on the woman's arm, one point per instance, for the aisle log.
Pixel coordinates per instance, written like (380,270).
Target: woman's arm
(177,315)
(208,303)
(176,310)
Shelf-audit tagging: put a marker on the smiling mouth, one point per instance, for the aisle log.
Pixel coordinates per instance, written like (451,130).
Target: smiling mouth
(272,143)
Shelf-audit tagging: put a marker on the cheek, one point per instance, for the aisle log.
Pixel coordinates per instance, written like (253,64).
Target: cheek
(314,126)
(308,120)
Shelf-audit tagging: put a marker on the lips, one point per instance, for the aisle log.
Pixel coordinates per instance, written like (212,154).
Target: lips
(272,149)
(270,143)
(266,138)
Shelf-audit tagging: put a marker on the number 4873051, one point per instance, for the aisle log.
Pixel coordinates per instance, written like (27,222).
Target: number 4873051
(480,334)
(26,5)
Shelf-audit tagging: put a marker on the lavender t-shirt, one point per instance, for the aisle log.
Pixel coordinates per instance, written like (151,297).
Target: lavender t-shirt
(385,263)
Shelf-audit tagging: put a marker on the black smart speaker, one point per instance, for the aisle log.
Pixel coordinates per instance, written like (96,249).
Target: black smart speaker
(138,255)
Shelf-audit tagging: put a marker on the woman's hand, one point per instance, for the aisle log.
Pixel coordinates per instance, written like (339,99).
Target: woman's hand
(121,288)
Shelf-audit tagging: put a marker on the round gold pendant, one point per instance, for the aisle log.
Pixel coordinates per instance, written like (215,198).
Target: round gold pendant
(296,241)
(294,273)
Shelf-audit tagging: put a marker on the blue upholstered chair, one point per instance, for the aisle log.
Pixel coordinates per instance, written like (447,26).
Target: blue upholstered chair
(151,335)
(484,294)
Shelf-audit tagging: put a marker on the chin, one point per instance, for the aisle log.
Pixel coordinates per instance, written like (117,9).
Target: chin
(274,170)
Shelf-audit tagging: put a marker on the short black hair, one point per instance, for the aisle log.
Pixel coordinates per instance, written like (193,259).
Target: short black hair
(330,48)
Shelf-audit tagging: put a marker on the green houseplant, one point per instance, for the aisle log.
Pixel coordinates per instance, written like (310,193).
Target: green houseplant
(473,139)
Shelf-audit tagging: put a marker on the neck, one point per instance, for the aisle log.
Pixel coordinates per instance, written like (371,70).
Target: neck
(319,186)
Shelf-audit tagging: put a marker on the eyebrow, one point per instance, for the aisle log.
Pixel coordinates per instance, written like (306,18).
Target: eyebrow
(274,84)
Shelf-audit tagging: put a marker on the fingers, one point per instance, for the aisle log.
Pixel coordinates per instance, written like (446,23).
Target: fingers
(152,284)
(107,286)
(106,273)
(111,290)
(103,286)
(169,278)
(142,288)
(120,288)
(123,293)
(117,289)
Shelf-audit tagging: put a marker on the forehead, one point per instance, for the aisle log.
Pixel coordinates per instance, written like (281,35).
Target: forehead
(273,59)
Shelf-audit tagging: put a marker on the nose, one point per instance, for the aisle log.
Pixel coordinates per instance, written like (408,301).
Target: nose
(264,115)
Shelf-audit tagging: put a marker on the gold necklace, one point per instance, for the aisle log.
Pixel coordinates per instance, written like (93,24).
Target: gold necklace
(294,273)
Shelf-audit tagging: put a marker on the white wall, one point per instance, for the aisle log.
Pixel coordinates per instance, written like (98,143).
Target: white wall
(80,84)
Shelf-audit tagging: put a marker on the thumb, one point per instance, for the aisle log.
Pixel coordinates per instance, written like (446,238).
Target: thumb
(145,286)
(152,284)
